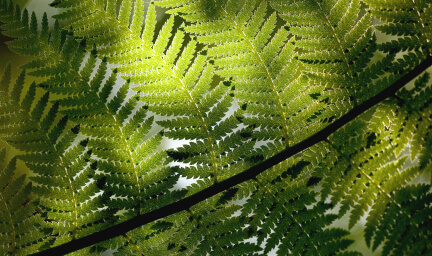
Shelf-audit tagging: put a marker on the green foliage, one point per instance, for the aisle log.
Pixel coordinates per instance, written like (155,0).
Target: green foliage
(260,73)
(236,82)
(288,214)
(197,231)
(117,143)
(407,19)
(172,84)
(412,223)
(20,230)
(44,137)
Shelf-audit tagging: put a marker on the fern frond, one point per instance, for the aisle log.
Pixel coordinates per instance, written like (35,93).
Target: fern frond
(406,233)
(116,127)
(59,164)
(285,214)
(248,47)
(172,82)
(197,231)
(405,128)
(408,21)
(20,231)
(336,41)
(294,75)
(366,162)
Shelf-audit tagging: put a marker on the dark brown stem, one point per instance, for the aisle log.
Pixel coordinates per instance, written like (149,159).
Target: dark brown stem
(251,173)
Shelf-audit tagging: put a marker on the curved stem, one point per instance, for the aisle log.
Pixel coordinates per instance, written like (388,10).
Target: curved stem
(251,173)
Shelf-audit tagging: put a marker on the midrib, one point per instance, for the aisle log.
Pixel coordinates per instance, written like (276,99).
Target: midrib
(338,43)
(179,81)
(266,71)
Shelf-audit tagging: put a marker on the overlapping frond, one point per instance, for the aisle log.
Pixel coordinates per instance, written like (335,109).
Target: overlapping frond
(198,231)
(363,164)
(172,80)
(336,44)
(248,44)
(401,121)
(284,213)
(279,213)
(408,233)
(127,164)
(409,22)
(221,75)
(20,231)
(61,173)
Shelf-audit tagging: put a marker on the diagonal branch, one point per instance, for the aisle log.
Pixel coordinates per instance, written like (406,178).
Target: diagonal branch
(184,204)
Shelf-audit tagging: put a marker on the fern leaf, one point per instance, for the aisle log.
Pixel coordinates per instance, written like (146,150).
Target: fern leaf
(408,22)
(255,54)
(374,167)
(405,229)
(84,98)
(19,219)
(152,68)
(284,70)
(284,212)
(48,139)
